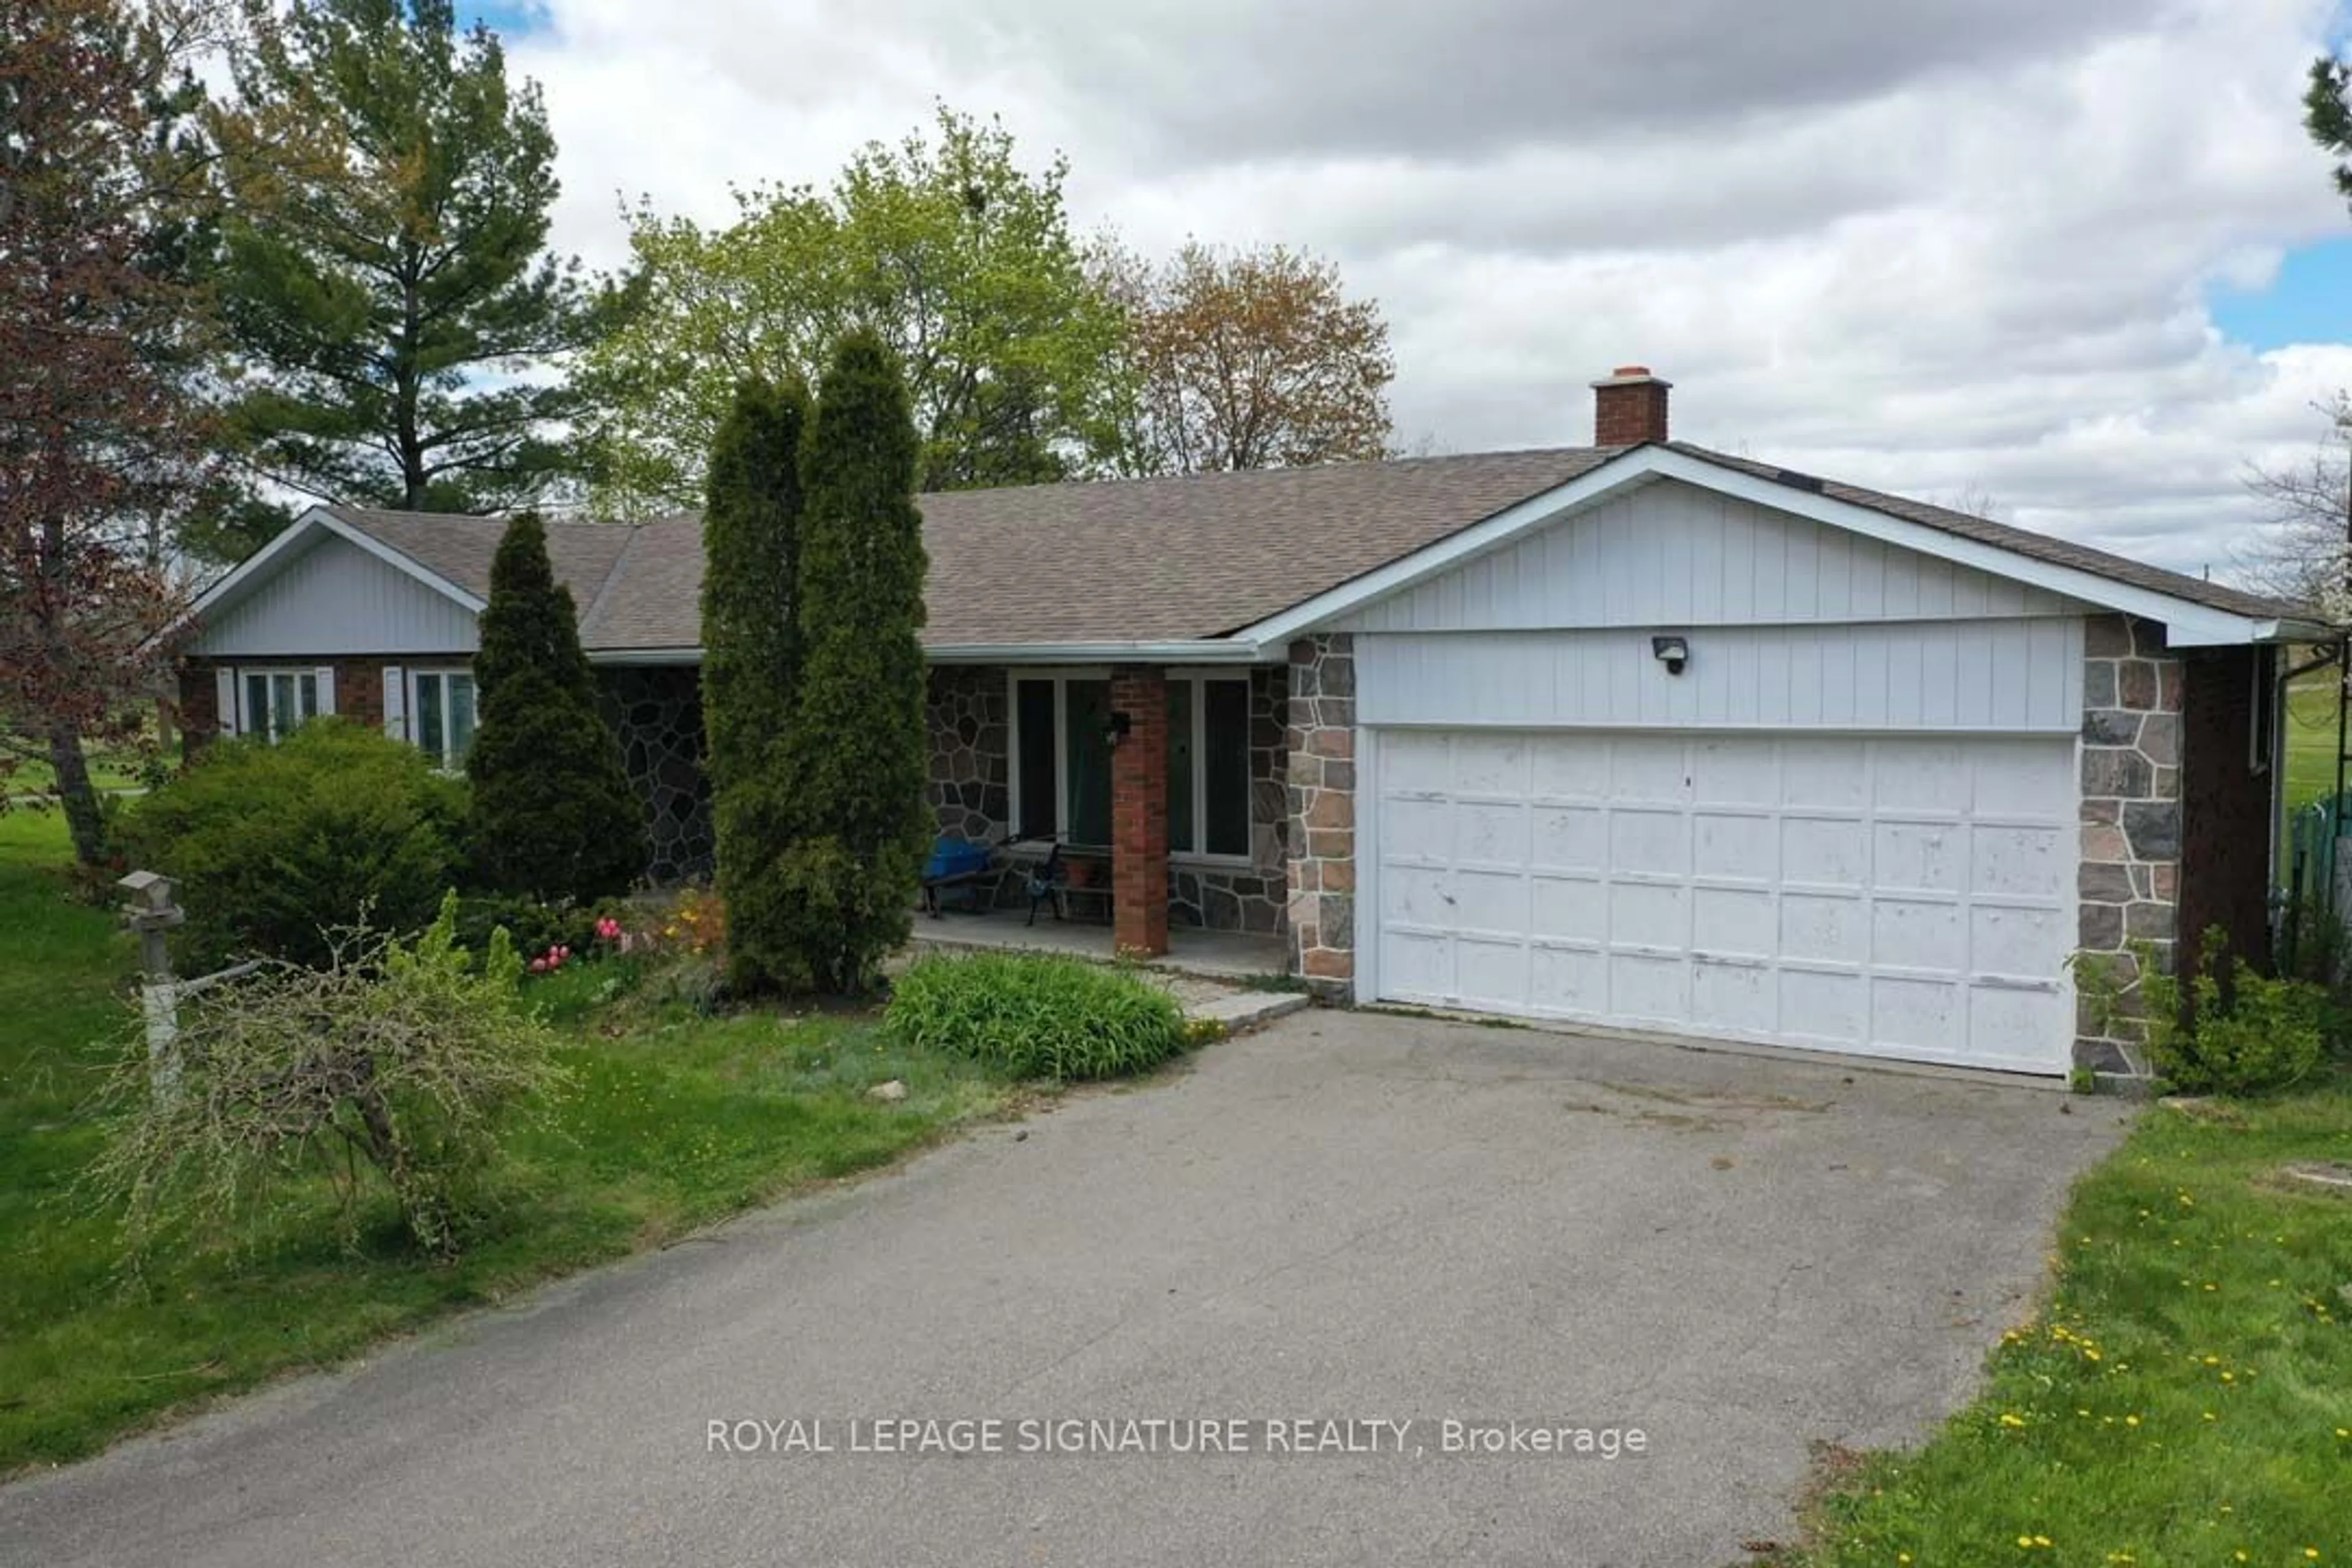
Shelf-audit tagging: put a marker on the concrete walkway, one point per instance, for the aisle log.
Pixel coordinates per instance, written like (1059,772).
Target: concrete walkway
(1344,1217)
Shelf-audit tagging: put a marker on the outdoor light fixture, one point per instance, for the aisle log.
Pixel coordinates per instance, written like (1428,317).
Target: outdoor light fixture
(1115,727)
(1671,652)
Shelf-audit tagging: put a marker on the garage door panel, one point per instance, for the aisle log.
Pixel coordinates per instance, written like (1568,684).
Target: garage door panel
(1734,922)
(1569,909)
(1830,774)
(1417,966)
(1490,901)
(1490,973)
(1568,981)
(1491,833)
(1898,896)
(1736,999)
(1416,896)
(1647,990)
(1824,926)
(2021,778)
(1648,770)
(1922,775)
(1920,857)
(1821,1008)
(2032,862)
(1490,764)
(1417,828)
(2003,1022)
(1649,914)
(1568,767)
(1918,1015)
(1744,848)
(1906,933)
(1568,837)
(1647,841)
(1416,762)
(1734,773)
(2015,942)
(1824,853)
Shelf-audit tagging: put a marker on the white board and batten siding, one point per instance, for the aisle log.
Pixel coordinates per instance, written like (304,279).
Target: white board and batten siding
(1848,823)
(2013,676)
(1671,555)
(336,598)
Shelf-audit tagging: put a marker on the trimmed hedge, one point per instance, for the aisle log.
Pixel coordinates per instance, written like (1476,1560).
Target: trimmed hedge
(1033,1016)
(272,843)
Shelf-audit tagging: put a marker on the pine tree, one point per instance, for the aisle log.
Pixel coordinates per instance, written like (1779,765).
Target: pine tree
(856,753)
(552,816)
(751,669)
(384,290)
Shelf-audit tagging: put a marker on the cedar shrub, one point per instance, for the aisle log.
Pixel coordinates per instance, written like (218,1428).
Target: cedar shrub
(553,815)
(750,668)
(855,754)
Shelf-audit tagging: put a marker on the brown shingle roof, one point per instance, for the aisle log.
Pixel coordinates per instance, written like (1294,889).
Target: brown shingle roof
(1169,560)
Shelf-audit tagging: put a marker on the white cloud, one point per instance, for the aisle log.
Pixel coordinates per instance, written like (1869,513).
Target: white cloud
(1954,245)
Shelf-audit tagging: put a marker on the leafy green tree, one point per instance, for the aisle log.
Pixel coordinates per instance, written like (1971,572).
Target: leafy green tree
(961,261)
(393,308)
(856,752)
(750,667)
(552,814)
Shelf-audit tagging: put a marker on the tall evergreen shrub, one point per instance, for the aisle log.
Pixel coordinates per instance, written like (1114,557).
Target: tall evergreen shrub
(751,669)
(857,753)
(553,815)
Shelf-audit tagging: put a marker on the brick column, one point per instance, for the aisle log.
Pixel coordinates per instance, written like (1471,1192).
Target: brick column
(1138,812)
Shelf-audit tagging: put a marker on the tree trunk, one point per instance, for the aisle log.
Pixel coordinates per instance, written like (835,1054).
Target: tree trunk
(77,796)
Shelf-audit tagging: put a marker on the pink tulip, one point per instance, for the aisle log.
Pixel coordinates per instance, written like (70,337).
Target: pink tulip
(539,966)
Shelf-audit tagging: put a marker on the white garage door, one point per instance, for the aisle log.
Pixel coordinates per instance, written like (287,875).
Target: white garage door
(1907,898)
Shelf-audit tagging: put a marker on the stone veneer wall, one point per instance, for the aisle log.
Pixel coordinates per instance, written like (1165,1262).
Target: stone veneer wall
(1251,899)
(970,738)
(657,711)
(971,791)
(2129,879)
(1322,811)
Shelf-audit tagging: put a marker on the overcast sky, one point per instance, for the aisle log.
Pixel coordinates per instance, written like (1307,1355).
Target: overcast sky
(2073,255)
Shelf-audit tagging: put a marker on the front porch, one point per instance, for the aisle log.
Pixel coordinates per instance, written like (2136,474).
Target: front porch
(1220,954)
(1166,787)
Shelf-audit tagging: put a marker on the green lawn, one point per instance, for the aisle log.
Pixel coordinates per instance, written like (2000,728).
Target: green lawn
(674,1122)
(108,771)
(2187,1396)
(2310,740)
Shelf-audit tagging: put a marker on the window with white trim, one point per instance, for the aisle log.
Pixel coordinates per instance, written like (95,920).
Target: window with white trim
(273,701)
(1061,761)
(441,709)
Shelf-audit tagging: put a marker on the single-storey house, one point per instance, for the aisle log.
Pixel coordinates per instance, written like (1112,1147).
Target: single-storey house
(1634,734)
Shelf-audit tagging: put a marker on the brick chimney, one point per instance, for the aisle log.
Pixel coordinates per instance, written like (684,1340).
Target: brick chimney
(1629,407)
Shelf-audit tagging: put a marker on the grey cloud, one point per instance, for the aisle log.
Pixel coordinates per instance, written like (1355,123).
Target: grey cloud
(1246,78)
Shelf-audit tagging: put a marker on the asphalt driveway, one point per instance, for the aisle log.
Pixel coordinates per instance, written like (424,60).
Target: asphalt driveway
(1347,1218)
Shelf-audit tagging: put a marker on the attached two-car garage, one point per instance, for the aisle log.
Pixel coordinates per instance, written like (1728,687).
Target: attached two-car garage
(1697,765)
(1888,895)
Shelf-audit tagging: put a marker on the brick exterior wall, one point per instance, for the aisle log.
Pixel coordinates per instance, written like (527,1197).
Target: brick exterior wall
(1139,811)
(199,708)
(2129,879)
(358,689)
(1322,791)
